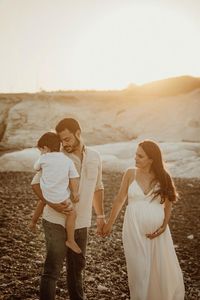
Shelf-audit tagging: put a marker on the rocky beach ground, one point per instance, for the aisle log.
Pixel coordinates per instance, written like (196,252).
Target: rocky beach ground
(22,253)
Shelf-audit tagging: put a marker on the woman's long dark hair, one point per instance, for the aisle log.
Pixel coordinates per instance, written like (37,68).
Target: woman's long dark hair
(167,188)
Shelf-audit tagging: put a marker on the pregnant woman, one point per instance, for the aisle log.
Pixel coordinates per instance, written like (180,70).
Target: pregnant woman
(153,268)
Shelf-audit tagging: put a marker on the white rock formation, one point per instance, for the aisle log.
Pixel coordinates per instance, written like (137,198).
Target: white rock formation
(106,117)
(182,159)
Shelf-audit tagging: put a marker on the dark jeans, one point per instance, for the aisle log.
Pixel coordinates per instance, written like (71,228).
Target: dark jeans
(55,236)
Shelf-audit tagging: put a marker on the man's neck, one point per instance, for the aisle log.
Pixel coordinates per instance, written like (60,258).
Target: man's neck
(79,151)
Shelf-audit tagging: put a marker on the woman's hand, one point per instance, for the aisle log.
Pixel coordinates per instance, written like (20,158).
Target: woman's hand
(156,233)
(107,229)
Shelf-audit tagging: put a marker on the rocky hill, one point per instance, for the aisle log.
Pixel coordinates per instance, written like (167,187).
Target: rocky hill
(168,87)
(105,116)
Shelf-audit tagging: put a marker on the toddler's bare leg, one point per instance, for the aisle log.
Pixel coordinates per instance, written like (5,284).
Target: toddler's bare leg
(70,227)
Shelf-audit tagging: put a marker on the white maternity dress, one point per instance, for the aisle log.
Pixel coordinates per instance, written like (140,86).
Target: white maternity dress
(152,265)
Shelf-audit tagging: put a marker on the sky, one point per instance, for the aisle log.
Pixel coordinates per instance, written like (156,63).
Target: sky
(96,44)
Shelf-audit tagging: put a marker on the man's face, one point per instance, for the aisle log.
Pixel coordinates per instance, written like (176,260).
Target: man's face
(69,141)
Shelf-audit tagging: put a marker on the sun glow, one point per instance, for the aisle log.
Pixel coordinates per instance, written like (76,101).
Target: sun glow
(136,44)
(91,44)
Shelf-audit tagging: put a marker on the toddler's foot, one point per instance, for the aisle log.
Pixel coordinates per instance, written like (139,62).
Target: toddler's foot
(73,246)
(32,227)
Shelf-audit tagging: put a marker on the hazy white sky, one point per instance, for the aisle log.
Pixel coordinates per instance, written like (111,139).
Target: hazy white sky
(96,44)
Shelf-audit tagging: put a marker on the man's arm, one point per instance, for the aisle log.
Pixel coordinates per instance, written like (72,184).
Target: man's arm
(98,200)
(60,207)
(98,204)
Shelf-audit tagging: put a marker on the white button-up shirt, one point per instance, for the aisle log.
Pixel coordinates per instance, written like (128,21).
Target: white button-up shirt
(90,172)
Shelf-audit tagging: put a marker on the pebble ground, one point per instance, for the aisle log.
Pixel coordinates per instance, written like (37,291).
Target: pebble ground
(22,253)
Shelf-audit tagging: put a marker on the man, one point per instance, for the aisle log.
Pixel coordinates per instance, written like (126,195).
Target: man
(89,167)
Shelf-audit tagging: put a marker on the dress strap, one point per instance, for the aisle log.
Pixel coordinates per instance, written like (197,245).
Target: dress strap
(134,176)
(135,173)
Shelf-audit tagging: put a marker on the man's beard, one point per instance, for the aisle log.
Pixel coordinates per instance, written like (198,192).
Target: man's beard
(71,149)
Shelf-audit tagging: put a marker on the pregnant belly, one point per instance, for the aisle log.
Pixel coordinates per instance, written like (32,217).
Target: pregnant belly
(148,216)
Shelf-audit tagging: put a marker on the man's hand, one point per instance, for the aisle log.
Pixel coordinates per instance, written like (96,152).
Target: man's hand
(156,233)
(100,225)
(64,208)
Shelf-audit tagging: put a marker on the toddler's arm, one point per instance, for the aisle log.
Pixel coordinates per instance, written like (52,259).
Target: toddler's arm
(73,185)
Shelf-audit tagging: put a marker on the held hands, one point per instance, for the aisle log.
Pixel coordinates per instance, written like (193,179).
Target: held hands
(100,224)
(103,228)
(107,229)
(156,233)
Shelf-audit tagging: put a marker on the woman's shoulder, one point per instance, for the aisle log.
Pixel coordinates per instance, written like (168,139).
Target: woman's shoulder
(130,173)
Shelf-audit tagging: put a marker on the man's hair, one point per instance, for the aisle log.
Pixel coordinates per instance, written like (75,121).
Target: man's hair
(68,123)
(50,140)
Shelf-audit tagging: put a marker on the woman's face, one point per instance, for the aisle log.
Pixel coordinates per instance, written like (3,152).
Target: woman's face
(142,161)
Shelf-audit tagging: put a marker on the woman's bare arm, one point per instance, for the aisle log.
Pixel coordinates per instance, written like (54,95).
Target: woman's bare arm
(118,201)
(161,229)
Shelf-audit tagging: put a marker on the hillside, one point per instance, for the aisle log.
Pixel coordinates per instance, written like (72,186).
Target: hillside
(167,87)
(105,116)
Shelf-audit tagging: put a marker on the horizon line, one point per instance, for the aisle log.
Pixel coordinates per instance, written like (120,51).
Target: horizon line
(41,90)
